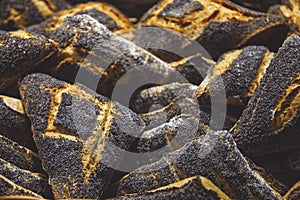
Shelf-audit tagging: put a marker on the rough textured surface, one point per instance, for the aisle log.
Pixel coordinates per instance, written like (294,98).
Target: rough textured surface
(172,134)
(107,15)
(19,53)
(19,155)
(17,14)
(77,132)
(179,106)
(179,8)
(271,120)
(193,68)
(218,26)
(7,187)
(90,145)
(213,156)
(190,188)
(14,123)
(161,103)
(26,179)
(270,179)
(241,72)
(142,100)
(289,9)
(110,57)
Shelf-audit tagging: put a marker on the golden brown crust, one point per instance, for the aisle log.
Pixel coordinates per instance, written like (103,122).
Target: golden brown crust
(106,14)
(20,52)
(7,187)
(291,10)
(88,47)
(241,72)
(217,25)
(19,155)
(196,187)
(18,14)
(35,182)
(14,123)
(270,122)
(73,134)
(223,164)
(293,193)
